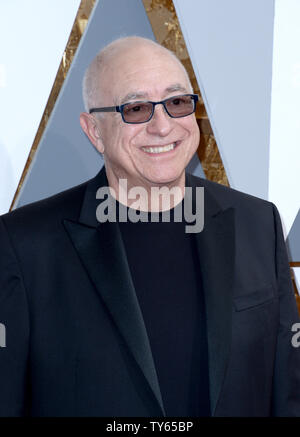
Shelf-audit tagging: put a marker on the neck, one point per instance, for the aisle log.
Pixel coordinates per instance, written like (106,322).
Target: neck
(153,197)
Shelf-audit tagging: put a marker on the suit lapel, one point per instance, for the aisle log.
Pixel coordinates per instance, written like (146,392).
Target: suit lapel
(216,249)
(102,253)
(101,250)
(216,254)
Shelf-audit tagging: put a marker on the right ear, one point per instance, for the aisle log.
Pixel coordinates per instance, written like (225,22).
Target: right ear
(90,127)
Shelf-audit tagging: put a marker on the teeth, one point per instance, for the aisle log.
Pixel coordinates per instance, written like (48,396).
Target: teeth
(159,149)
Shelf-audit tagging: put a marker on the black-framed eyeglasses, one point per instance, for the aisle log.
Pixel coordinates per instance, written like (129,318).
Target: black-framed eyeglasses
(142,111)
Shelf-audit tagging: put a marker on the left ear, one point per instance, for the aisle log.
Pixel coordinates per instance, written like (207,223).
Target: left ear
(91,129)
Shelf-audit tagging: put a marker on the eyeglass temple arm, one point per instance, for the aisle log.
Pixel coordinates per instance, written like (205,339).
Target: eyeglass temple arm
(106,109)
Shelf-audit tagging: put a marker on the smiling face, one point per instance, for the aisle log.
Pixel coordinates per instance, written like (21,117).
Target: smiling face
(156,152)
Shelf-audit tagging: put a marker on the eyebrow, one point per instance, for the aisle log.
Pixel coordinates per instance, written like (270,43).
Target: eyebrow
(134,96)
(176,87)
(142,95)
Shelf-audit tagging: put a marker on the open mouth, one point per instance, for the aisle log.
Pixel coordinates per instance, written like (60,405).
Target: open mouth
(161,149)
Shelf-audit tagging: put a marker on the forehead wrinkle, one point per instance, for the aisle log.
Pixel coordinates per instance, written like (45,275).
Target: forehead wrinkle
(143,94)
(176,87)
(133,96)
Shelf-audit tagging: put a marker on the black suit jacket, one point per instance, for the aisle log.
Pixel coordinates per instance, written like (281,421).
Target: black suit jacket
(76,343)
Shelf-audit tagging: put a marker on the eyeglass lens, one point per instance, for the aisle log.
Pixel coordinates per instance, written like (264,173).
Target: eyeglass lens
(178,106)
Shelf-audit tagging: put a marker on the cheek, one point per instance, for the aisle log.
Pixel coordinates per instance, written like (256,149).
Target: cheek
(197,135)
(192,128)
(122,143)
(131,137)
(112,136)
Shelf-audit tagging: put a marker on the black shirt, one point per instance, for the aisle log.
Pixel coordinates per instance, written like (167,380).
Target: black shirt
(163,261)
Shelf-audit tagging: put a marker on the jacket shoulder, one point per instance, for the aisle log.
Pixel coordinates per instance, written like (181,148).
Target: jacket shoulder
(229,197)
(47,212)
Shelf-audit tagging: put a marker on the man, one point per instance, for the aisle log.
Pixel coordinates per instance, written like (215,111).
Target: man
(114,318)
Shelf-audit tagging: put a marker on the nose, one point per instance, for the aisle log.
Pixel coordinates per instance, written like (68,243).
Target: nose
(160,123)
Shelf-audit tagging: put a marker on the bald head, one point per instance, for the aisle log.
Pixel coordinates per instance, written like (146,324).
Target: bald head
(134,48)
(149,153)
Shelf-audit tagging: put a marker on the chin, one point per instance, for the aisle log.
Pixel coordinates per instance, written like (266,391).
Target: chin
(164,177)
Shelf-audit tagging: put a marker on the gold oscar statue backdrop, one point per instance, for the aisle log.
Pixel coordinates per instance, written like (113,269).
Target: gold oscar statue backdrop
(166,28)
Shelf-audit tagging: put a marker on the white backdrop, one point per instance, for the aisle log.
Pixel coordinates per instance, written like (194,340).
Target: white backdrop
(285,113)
(285,120)
(248,69)
(33,36)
